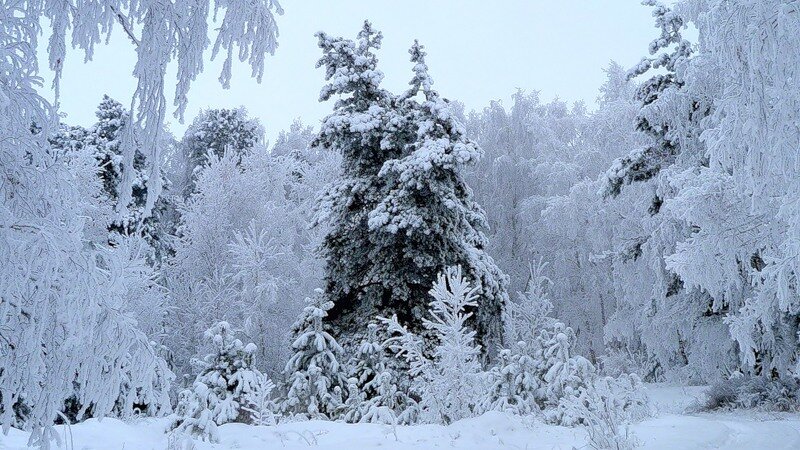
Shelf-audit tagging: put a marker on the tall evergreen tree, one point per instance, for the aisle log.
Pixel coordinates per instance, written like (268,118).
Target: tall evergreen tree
(359,128)
(402,211)
(429,210)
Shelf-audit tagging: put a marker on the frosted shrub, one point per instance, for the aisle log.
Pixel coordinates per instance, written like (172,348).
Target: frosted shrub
(315,378)
(772,395)
(754,392)
(546,373)
(540,371)
(565,374)
(449,384)
(607,407)
(373,392)
(619,361)
(228,389)
(514,383)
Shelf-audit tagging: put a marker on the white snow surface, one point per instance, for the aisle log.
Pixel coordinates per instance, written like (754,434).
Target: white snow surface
(671,428)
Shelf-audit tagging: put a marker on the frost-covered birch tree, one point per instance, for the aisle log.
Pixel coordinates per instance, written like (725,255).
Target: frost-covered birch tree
(62,314)
(743,204)
(717,242)
(245,253)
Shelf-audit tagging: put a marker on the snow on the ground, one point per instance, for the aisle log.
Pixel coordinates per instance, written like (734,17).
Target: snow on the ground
(670,429)
(674,399)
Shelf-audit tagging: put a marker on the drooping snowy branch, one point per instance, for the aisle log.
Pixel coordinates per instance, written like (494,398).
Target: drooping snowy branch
(168,32)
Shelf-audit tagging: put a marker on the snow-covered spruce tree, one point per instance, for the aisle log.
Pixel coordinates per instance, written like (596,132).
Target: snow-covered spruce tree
(316,381)
(402,211)
(530,312)
(216,131)
(564,374)
(428,210)
(516,380)
(543,375)
(514,383)
(225,388)
(375,393)
(448,385)
(105,137)
(391,404)
(360,130)
(368,362)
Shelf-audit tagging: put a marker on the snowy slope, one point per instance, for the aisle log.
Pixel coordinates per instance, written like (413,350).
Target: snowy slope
(669,430)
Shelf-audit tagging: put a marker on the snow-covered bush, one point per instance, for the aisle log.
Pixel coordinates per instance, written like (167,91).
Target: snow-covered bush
(539,376)
(449,385)
(515,380)
(607,407)
(315,379)
(259,402)
(373,392)
(620,360)
(753,392)
(225,389)
(391,403)
(565,373)
(540,370)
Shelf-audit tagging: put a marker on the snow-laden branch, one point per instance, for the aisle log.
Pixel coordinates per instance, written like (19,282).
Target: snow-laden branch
(170,32)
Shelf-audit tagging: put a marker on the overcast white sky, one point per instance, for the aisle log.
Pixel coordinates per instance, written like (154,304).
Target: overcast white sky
(477,51)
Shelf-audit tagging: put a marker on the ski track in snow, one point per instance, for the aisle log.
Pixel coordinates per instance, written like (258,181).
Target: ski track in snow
(670,429)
